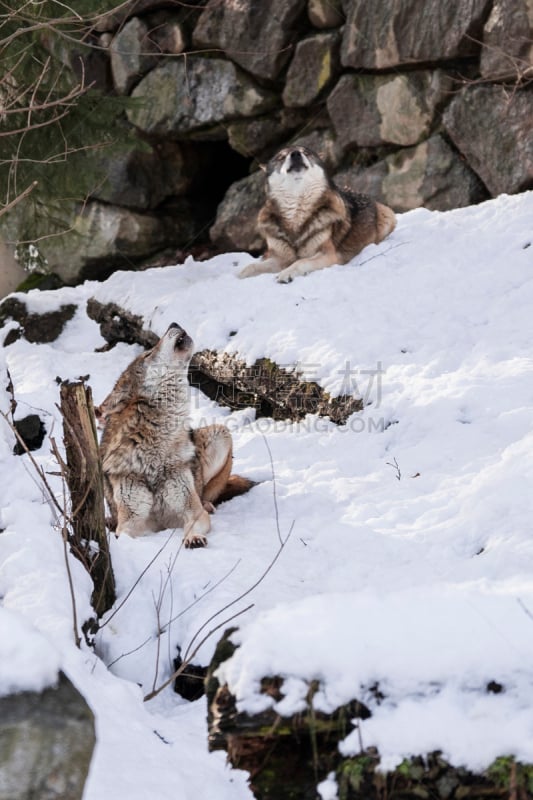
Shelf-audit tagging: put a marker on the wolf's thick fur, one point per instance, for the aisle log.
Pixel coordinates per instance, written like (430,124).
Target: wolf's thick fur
(158,472)
(308,223)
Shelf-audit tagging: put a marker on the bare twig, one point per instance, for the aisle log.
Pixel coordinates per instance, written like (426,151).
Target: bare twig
(394,464)
(157,605)
(185,663)
(137,581)
(190,652)
(65,537)
(177,616)
(274,492)
(16,200)
(63,518)
(130,652)
(38,469)
(201,597)
(524,608)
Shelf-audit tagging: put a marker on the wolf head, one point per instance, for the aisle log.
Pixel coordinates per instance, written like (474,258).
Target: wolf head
(166,364)
(294,172)
(158,375)
(173,348)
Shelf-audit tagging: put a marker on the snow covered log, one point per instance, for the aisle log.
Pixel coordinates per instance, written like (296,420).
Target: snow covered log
(286,756)
(272,390)
(297,755)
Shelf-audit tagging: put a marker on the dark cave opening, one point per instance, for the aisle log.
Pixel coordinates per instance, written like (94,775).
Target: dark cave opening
(216,167)
(224,166)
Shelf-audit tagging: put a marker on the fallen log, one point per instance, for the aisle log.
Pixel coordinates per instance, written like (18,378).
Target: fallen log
(272,390)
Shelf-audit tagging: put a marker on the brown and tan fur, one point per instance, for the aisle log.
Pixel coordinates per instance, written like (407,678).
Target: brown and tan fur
(158,472)
(308,223)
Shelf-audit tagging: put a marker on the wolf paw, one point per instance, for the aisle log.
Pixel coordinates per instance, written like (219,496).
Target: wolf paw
(193,540)
(209,507)
(286,276)
(248,272)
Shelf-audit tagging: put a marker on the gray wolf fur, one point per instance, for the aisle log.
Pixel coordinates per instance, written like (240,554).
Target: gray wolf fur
(158,472)
(308,223)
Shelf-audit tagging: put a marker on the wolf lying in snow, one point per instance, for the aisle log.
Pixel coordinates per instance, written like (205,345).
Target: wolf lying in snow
(158,472)
(308,223)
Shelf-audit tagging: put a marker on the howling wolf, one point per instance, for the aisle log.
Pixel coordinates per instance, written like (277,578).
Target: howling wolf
(158,472)
(308,223)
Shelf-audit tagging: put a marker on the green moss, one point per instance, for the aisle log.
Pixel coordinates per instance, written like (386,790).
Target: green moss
(506,772)
(40,280)
(352,772)
(325,71)
(432,777)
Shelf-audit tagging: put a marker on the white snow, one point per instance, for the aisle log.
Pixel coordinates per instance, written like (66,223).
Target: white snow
(408,549)
(28,661)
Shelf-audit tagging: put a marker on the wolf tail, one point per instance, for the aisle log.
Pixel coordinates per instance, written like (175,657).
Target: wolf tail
(235,486)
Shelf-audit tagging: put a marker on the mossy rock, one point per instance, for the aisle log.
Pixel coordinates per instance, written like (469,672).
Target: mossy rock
(40,280)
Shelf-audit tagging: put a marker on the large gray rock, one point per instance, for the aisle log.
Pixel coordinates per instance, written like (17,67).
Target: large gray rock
(235,226)
(116,18)
(250,137)
(257,36)
(85,66)
(132,55)
(312,70)
(89,242)
(432,174)
(384,34)
(12,273)
(373,110)
(46,744)
(143,177)
(492,127)
(325,13)
(508,40)
(179,97)
(167,32)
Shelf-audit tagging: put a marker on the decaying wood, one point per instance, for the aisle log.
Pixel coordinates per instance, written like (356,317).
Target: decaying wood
(285,756)
(119,325)
(85,482)
(272,390)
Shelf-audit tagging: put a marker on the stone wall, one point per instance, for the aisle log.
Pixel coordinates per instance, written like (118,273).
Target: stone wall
(416,103)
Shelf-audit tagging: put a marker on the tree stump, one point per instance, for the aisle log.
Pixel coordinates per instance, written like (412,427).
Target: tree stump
(85,481)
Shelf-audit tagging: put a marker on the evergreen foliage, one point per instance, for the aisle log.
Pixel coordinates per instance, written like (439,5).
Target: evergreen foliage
(57,113)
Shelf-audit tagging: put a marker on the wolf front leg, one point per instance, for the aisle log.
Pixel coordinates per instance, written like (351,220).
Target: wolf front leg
(272,264)
(180,504)
(279,254)
(196,526)
(327,257)
(134,502)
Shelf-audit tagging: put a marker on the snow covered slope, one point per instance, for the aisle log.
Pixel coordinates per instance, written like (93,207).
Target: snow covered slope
(410,555)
